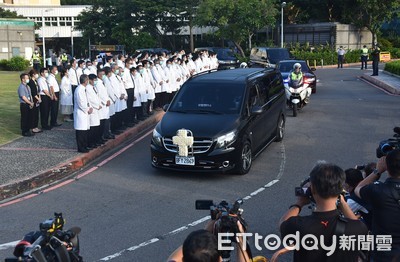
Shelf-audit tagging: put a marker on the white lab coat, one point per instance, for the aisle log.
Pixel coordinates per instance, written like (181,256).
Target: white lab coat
(66,92)
(104,112)
(81,108)
(143,88)
(149,81)
(95,103)
(123,92)
(139,87)
(113,97)
(115,86)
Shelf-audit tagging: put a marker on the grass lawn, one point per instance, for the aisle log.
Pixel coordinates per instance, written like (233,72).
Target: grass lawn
(9,107)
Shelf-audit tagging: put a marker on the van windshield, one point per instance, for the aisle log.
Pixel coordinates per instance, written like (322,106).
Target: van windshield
(209,98)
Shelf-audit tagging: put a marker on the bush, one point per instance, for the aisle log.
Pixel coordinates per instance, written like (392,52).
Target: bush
(393,67)
(16,63)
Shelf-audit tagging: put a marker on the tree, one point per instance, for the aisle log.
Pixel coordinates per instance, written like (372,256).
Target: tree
(125,21)
(9,14)
(370,14)
(237,20)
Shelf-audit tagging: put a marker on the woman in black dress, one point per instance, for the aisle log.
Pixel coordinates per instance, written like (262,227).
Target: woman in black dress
(33,75)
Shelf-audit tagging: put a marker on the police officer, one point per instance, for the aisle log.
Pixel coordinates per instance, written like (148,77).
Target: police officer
(36,60)
(341,52)
(64,60)
(364,57)
(296,76)
(375,60)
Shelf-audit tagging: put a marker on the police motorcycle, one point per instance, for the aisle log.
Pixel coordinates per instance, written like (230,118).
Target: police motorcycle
(50,244)
(297,89)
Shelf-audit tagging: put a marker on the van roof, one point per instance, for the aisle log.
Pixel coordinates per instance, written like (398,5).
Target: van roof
(240,75)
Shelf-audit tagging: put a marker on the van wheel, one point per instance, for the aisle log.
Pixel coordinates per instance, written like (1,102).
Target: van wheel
(294,110)
(245,160)
(280,129)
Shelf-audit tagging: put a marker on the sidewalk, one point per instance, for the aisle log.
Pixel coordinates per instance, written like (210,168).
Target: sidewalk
(29,163)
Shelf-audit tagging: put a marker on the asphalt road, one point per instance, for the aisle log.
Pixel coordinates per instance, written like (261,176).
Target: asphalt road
(129,211)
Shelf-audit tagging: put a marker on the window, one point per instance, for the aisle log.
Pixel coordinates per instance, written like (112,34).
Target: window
(65,21)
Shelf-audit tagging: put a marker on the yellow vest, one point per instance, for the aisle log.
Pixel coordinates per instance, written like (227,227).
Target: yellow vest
(365,51)
(36,57)
(64,58)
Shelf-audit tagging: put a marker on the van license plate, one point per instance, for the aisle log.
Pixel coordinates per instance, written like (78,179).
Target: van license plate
(185,160)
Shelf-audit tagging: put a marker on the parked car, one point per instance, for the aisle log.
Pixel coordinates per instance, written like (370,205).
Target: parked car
(219,121)
(309,76)
(226,57)
(267,56)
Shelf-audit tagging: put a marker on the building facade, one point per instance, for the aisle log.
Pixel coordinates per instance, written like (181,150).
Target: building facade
(18,38)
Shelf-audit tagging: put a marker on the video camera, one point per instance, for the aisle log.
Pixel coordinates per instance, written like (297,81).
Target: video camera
(390,144)
(304,190)
(226,217)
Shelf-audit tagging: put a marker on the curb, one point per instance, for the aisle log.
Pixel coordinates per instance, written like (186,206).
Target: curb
(67,168)
(389,88)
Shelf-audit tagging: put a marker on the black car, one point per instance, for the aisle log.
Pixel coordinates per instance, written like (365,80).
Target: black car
(226,57)
(309,77)
(220,121)
(267,56)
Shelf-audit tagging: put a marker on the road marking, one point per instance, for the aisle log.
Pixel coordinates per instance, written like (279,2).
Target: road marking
(8,245)
(180,229)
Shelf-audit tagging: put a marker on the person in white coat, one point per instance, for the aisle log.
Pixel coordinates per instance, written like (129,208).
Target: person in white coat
(111,94)
(82,110)
(129,87)
(143,90)
(66,97)
(159,81)
(150,83)
(116,121)
(124,94)
(106,105)
(94,139)
(137,104)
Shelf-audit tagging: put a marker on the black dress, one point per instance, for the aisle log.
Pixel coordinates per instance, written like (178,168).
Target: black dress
(35,110)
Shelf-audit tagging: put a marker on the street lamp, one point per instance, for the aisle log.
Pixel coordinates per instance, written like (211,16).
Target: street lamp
(283,4)
(72,41)
(43,39)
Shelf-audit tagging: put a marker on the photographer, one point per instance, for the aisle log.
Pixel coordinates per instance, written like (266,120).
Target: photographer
(384,200)
(202,245)
(326,185)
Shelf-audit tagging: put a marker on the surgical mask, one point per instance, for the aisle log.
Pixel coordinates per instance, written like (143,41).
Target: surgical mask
(122,74)
(96,82)
(169,65)
(130,66)
(141,71)
(101,66)
(46,75)
(27,81)
(148,66)
(36,76)
(117,72)
(104,77)
(56,72)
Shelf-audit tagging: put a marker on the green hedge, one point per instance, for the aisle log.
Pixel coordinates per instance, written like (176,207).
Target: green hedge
(393,67)
(16,63)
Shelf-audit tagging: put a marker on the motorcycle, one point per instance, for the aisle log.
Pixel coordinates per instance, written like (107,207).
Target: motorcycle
(297,94)
(49,244)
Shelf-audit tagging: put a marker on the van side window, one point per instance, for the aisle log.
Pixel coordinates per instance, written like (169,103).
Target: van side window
(275,85)
(254,98)
(265,83)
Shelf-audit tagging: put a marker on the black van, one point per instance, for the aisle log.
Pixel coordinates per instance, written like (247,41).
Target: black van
(220,121)
(268,56)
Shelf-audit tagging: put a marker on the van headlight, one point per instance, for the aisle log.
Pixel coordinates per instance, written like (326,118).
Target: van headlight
(157,138)
(226,139)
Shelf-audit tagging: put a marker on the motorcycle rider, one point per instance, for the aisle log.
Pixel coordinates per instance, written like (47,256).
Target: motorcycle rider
(296,76)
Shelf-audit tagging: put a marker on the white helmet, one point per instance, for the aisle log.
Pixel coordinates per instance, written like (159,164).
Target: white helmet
(296,65)
(243,65)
